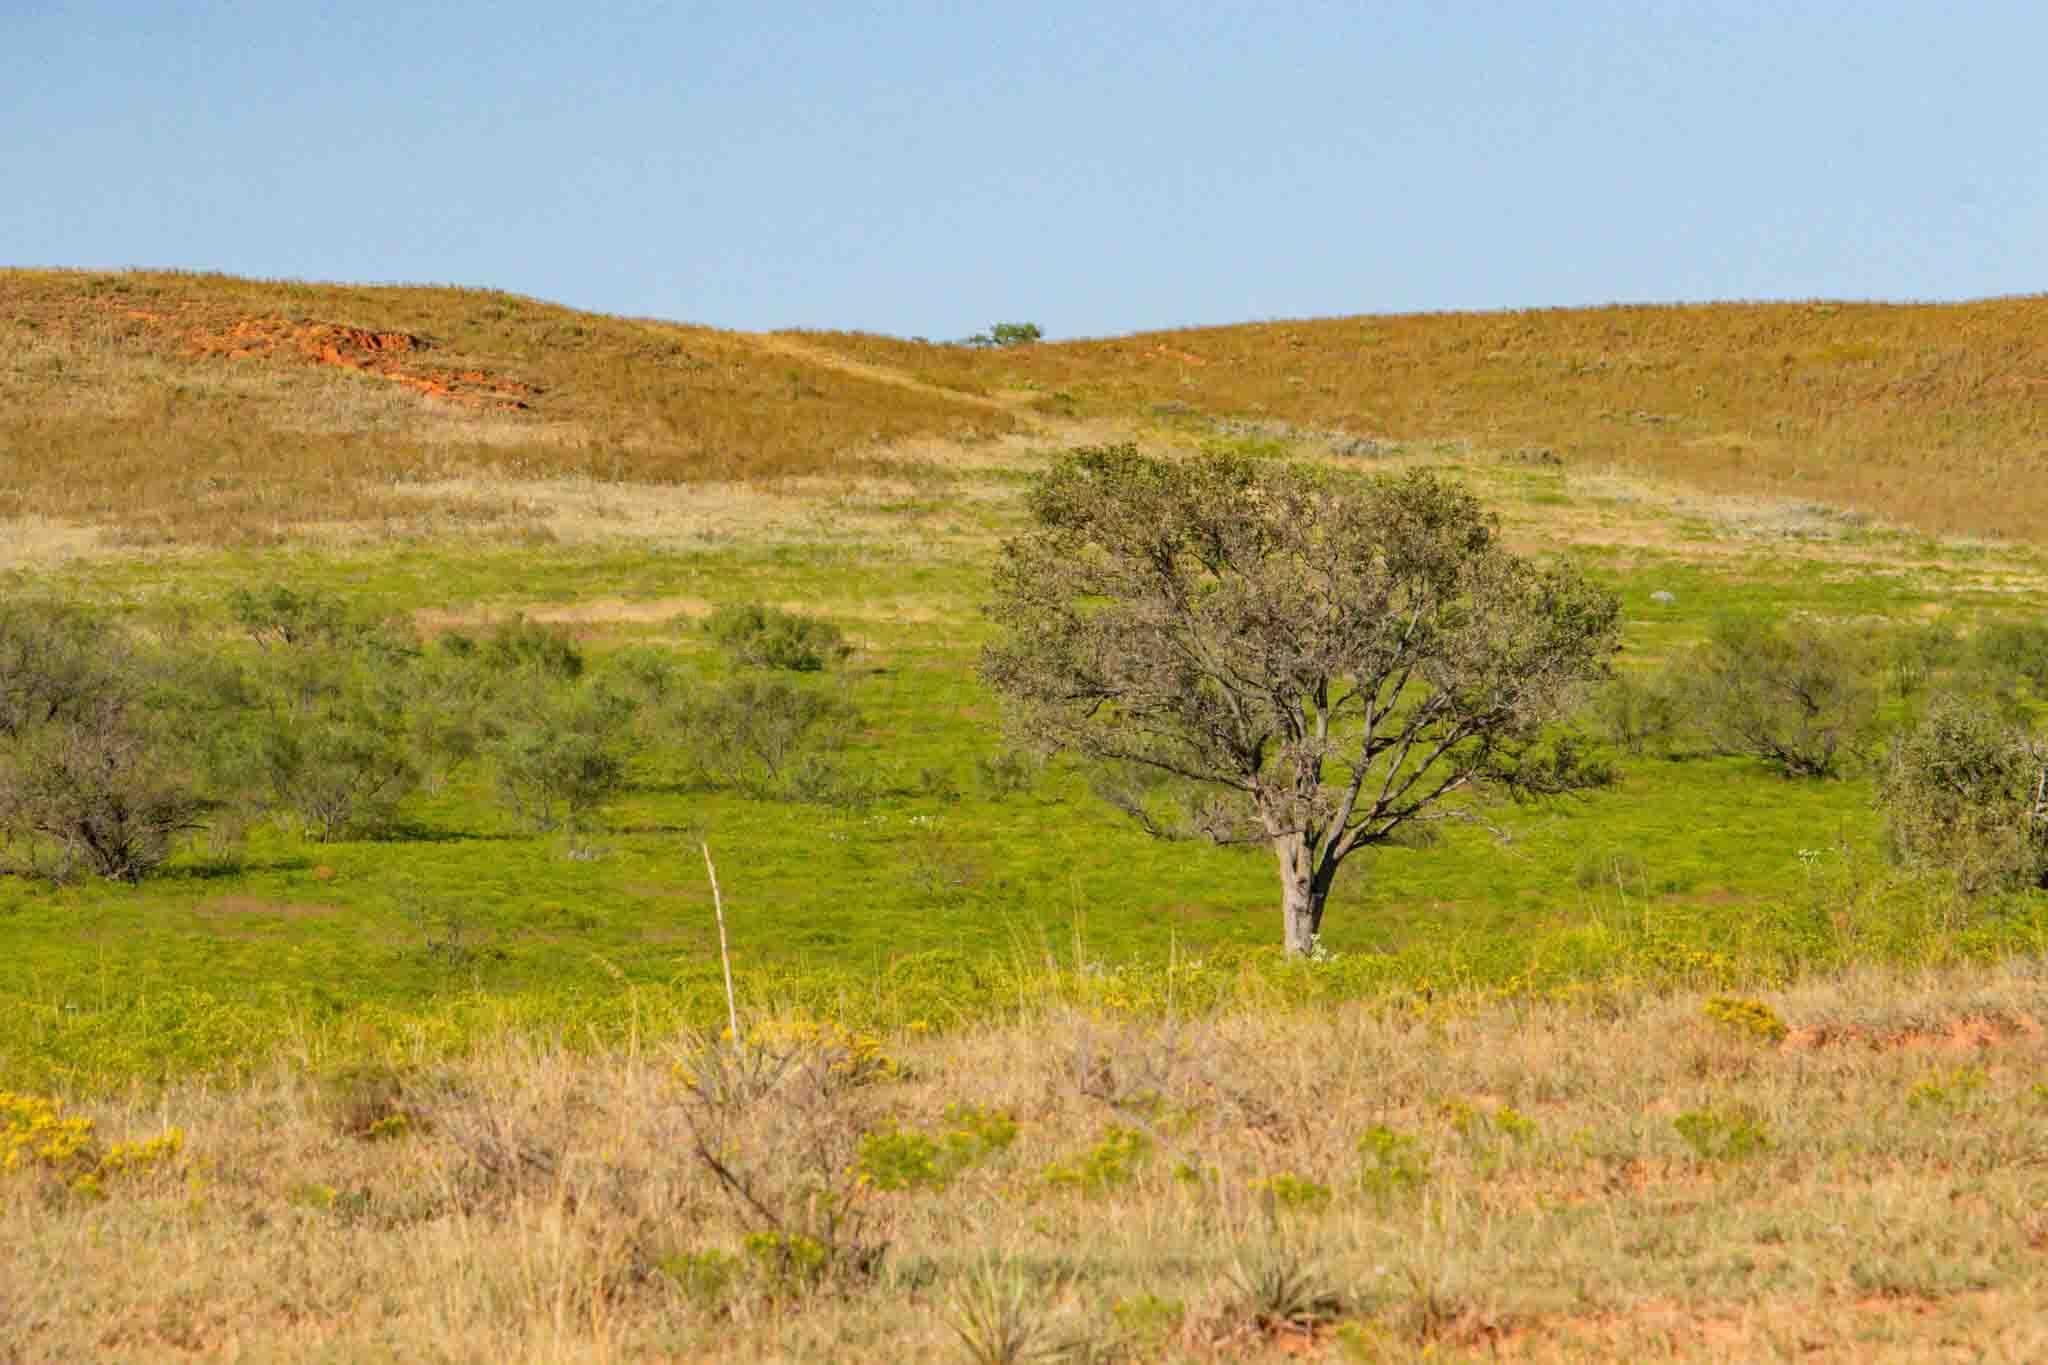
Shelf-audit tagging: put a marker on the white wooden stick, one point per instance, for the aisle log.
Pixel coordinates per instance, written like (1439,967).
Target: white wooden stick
(732,1010)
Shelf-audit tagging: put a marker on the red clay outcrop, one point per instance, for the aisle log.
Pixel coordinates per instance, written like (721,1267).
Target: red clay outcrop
(388,356)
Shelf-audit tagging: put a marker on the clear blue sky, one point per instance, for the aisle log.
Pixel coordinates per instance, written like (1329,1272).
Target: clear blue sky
(929,168)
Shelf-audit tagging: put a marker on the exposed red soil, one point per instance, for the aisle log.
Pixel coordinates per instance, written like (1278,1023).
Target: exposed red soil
(1969,1034)
(390,356)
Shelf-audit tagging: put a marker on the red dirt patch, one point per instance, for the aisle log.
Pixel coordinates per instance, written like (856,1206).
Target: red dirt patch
(1720,1331)
(1969,1034)
(382,355)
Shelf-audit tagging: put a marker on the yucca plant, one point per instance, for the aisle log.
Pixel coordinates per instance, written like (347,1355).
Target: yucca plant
(994,1316)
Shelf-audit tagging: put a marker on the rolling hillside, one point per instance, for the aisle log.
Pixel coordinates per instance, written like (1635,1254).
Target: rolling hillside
(175,408)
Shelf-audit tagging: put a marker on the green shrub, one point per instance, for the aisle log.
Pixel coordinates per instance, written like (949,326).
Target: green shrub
(973,1132)
(1638,714)
(1390,1163)
(323,735)
(1954,1091)
(1007,774)
(556,754)
(773,740)
(1723,1135)
(449,706)
(1481,1126)
(755,636)
(53,662)
(2016,650)
(344,774)
(703,1277)
(1007,334)
(898,1160)
(1293,1193)
(523,646)
(284,616)
(1108,1164)
(1752,1017)
(788,1262)
(1967,791)
(103,784)
(1798,696)
(1916,655)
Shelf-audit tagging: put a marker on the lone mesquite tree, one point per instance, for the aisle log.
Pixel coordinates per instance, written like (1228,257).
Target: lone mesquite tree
(1337,657)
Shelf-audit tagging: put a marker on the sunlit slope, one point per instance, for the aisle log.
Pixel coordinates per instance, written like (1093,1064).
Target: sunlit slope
(190,407)
(204,408)
(1934,416)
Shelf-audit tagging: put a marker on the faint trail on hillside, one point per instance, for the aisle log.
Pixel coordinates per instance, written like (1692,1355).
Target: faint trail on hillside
(861,369)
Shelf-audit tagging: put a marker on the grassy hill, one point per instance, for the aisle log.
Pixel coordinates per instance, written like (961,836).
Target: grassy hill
(1930,416)
(203,408)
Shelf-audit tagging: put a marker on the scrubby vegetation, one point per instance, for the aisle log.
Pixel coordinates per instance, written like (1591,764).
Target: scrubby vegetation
(113,746)
(363,733)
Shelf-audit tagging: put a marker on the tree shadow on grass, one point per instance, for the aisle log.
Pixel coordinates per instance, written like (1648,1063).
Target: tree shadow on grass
(412,832)
(222,869)
(687,829)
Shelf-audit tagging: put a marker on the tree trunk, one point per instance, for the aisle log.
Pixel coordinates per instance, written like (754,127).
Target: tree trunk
(1302,894)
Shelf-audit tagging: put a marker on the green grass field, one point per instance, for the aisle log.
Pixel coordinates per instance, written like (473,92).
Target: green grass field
(940,899)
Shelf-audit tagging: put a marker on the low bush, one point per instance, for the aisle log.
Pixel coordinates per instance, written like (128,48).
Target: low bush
(2017,650)
(773,740)
(754,636)
(345,773)
(102,789)
(1005,335)
(91,764)
(52,662)
(282,615)
(1004,775)
(325,738)
(1916,655)
(1797,695)
(558,755)
(1967,791)
(1638,714)
(523,646)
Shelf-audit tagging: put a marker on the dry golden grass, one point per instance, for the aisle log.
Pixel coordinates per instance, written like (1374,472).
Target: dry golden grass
(1525,1190)
(1934,416)
(202,408)
(189,408)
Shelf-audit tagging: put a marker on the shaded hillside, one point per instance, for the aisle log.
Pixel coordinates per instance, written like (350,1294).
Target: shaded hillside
(1934,416)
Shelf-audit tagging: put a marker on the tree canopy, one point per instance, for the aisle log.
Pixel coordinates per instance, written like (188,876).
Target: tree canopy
(1333,659)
